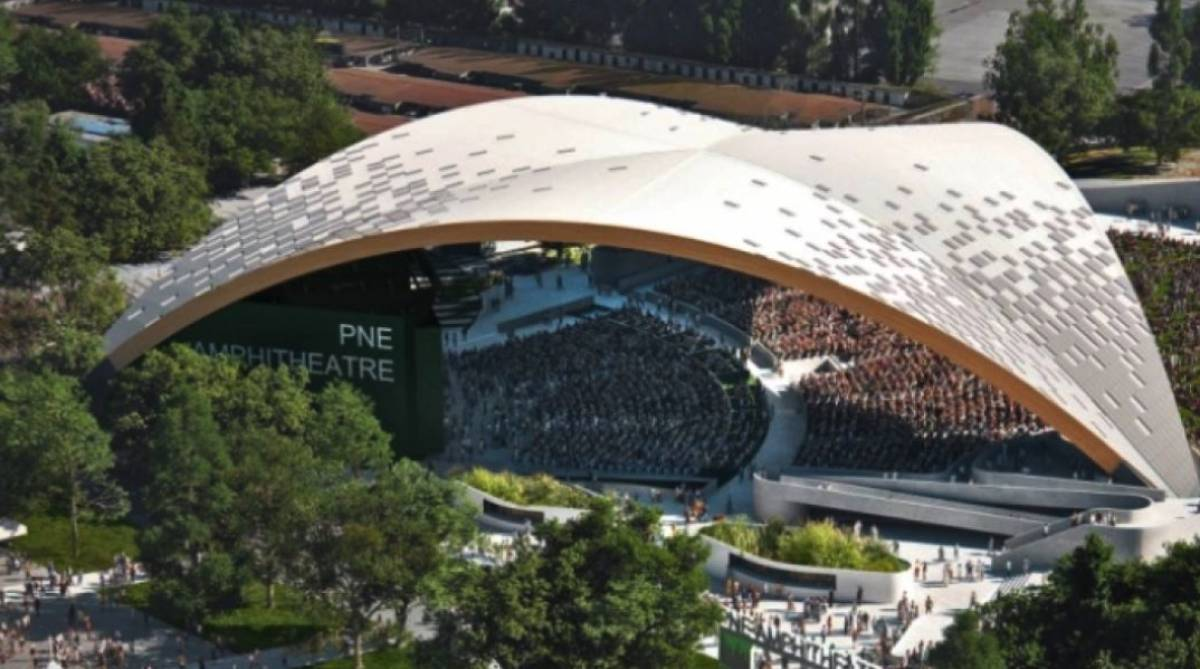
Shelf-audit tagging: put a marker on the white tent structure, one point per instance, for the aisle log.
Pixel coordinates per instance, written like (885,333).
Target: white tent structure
(11,529)
(967,238)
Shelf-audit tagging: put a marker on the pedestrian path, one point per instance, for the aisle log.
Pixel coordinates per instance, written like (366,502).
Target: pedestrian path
(148,641)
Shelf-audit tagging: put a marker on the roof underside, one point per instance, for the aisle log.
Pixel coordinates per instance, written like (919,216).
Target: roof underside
(966,237)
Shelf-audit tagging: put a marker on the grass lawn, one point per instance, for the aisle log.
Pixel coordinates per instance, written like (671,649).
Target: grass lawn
(251,627)
(49,540)
(1111,163)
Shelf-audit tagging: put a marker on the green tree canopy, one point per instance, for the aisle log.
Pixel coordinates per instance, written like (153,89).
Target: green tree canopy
(1054,76)
(45,424)
(141,200)
(602,592)
(189,508)
(1174,118)
(1092,612)
(471,16)
(56,66)
(696,29)
(236,99)
(383,545)
(343,428)
(966,647)
(903,40)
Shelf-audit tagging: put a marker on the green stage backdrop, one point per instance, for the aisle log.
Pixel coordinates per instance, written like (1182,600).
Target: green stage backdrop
(397,365)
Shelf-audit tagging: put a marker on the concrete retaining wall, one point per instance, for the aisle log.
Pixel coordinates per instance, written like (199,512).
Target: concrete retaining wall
(878,587)
(1129,543)
(1046,496)
(790,498)
(481,500)
(1112,196)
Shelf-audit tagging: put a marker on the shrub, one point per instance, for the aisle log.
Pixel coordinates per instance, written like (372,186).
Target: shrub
(814,544)
(532,490)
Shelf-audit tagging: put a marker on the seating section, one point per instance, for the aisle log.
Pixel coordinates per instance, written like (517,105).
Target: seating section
(791,323)
(1166,275)
(891,404)
(621,392)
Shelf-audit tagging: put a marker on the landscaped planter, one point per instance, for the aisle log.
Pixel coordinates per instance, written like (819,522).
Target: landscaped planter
(508,516)
(782,578)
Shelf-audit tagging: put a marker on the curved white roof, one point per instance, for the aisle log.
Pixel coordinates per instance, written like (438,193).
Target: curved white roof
(966,237)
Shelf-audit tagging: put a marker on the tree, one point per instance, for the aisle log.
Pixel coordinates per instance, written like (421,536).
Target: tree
(39,162)
(381,546)
(1092,612)
(696,29)
(56,66)
(189,509)
(237,100)
(766,29)
(56,298)
(601,591)
(964,646)
(343,429)
(1175,121)
(141,200)
(808,51)
(138,397)
(8,58)
(902,42)
(472,16)
(46,415)
(274,483)
(1054,75)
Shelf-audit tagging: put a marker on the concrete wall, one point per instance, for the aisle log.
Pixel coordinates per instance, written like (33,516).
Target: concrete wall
(878,587)
(477,498)
(1110,196)
(1044,496)
(790,498)
(1128,542)
(990,477)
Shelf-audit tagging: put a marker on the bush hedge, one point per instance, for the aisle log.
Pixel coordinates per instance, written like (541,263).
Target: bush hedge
(531,490)
(820,544)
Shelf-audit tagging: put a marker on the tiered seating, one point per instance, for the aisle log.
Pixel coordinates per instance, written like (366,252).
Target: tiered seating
(896,405)
(622,392)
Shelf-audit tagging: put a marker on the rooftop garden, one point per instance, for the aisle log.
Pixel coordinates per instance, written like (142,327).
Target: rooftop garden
(526,490)
(820,544)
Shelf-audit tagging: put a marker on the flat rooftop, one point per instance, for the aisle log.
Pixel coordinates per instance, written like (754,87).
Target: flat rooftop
(373,124)
(72,14)
(394,89)
(733,100)
(114,48)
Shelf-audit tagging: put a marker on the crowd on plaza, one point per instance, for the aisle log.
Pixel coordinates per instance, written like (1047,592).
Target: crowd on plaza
(620,391)
(890,404)
(78,644)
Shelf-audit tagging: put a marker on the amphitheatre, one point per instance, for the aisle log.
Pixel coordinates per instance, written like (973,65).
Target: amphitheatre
(965,238)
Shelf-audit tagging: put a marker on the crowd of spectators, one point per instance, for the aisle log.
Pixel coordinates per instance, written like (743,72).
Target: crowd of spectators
(1166,276)
(887,403)
(616,392)
(792,323)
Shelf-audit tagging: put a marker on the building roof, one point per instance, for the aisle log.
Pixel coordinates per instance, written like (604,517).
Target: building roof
(396,89)
(73,14)
(967,238)
(114,48)
(732,100)
(373,124)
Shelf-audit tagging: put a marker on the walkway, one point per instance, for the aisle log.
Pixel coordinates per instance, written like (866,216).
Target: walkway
(152,642)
